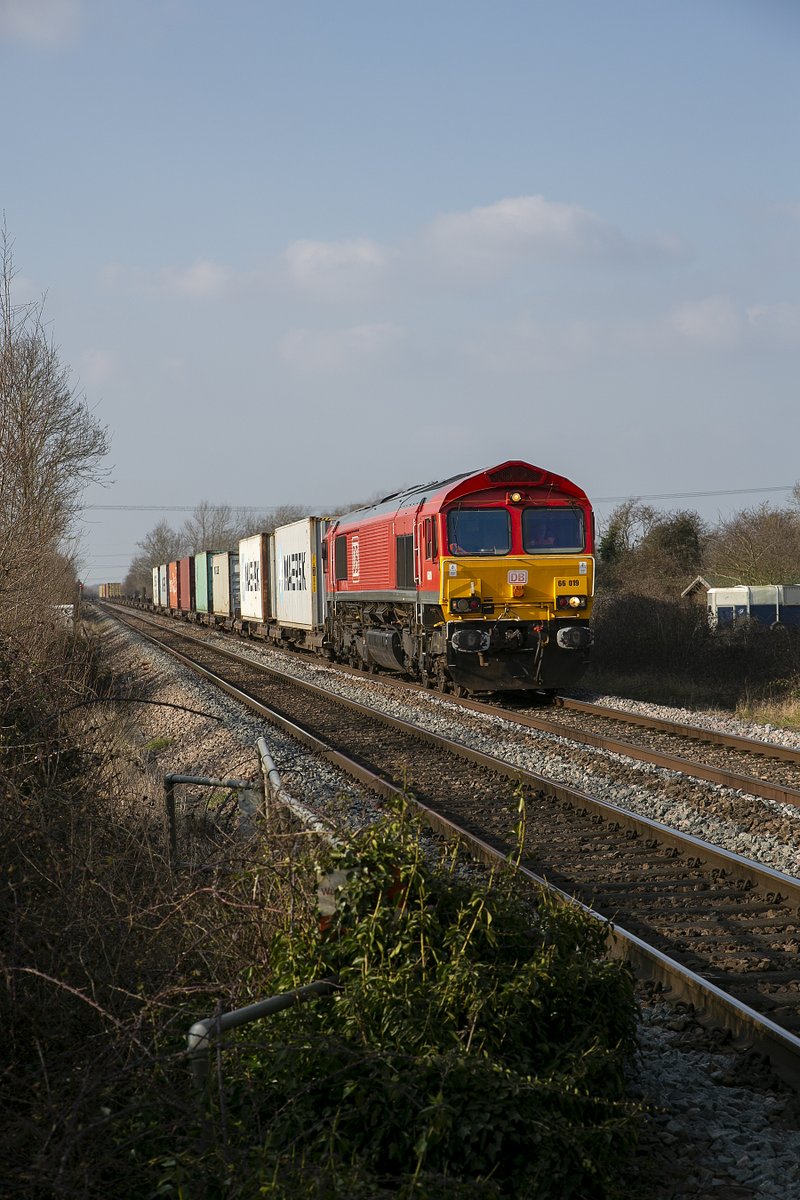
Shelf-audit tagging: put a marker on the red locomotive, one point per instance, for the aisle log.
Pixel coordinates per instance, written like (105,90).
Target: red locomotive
(480,583)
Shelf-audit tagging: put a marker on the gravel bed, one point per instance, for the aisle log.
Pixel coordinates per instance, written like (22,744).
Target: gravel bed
(762,830)
(721,1126)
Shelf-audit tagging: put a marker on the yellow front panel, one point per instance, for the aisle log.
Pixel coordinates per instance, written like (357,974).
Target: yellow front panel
(523,587)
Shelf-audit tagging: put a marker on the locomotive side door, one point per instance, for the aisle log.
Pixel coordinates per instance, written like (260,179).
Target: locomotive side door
(419,542)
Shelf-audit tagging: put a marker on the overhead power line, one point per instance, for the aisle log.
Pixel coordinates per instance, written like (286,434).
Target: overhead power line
(190,508)
(694,495)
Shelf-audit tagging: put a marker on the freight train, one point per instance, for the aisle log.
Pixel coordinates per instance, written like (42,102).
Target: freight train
(482,583)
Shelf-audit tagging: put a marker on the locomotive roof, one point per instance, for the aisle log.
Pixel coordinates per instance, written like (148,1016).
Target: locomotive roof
(513,473)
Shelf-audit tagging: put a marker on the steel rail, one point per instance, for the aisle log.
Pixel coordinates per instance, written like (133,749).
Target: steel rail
(731,741)
(711,1003)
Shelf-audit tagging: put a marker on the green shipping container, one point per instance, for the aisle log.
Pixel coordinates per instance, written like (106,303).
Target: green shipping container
(202,581)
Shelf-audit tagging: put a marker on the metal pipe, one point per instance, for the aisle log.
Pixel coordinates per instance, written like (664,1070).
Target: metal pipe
(274,789)
(198,1039)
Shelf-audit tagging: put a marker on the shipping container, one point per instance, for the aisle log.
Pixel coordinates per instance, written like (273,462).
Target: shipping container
(253,571)
(163,585)
(172,585)
(297,582)
(225,583)
(202,581)
(186,584)
(768,604)
(155,585)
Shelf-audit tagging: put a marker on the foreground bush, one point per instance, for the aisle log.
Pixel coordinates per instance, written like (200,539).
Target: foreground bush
(475,1046)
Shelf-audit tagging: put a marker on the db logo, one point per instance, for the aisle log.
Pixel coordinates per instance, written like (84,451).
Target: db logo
(517,576)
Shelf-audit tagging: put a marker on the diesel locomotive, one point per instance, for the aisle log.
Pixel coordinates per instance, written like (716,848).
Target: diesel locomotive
(482,582)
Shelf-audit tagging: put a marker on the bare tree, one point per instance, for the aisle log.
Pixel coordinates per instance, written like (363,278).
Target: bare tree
(649,552)
(51,447)
(161,545)
(757,545)
(267,522)
(210,527)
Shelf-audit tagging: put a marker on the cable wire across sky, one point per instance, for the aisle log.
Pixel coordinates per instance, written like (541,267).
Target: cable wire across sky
(275,507)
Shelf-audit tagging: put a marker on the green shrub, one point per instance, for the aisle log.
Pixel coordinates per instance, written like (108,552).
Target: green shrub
(476,1042)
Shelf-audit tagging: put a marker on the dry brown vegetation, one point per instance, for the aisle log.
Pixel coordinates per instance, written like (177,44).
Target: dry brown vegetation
(107,953)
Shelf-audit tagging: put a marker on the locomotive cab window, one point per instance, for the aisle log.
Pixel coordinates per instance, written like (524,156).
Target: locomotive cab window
(479,531)
(554,530)
(431,539)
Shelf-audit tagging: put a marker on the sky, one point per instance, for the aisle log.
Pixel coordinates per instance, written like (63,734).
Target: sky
(308,252)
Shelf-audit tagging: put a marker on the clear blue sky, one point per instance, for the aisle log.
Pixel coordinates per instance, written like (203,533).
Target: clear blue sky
(304,252)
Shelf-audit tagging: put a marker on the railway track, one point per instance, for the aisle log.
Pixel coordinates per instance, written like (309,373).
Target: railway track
(758,768)
(720,930)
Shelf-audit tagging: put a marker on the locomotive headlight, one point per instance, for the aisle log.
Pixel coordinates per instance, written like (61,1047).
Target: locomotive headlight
(515,497)
(570,602)
(466,604)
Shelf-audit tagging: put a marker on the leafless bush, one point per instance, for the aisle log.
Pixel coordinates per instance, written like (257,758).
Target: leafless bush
(50,448)
(759,545)
(107,952)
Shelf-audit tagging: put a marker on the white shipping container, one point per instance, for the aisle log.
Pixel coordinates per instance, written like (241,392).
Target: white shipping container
(155,585)
(221,584)
(163,586)
(297,581)
(253,578)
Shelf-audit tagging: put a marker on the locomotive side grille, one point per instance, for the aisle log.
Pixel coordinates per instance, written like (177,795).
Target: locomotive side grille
(405,560)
